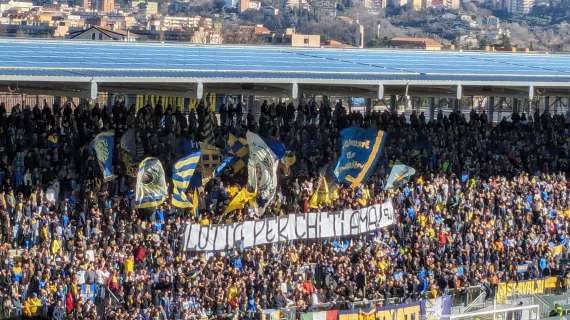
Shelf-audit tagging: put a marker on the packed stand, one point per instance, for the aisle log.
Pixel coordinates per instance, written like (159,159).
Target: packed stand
(484,200)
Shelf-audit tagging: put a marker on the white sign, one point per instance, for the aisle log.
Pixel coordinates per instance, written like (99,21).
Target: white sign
(291,227)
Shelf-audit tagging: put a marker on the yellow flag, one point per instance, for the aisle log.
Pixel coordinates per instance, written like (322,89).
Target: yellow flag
(420,181)
(321,196)
(288,160)
(233,190)
(55,247)
(196,202)
(240,200)
(129,265)
(365,197)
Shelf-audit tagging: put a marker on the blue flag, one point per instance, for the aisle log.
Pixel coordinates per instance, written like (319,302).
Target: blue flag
(399,175)
(277,147)
(103,145)
(226,163)
(359,154)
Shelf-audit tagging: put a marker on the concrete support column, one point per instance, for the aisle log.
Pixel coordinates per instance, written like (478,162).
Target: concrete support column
(491,108)
(547,104)
(368,105)
(432,109)
(56,100)
(393,102)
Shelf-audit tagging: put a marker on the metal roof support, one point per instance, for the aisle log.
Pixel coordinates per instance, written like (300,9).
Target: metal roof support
(380,91)
(459,92)
(93,90)
(199,90)
(431,108)
(294,91)
(531,93)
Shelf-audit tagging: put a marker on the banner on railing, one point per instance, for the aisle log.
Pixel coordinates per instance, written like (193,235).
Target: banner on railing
(390,312)
(288,228)
(506,290)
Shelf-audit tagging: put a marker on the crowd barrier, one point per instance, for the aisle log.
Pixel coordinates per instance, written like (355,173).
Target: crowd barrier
(386,309)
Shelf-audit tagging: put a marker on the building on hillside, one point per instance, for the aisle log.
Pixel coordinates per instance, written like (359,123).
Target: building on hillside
(336,44)
(101,34)
(87,5)
(150,8)
(105,6)
(26,31)
(519,7)
(305,40)
(257,34)
(180,23)
(208,36)
(297,5)
(324,9)
(374,6)
(20,6)
(245,5)
(451,4)
(415,43)
(231,3)
(447,4)
(415,5)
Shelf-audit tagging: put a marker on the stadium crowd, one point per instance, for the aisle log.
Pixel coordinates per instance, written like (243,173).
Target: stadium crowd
(485,200)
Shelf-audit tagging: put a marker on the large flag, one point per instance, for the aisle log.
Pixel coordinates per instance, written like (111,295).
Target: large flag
(182,174)
(359,155)
(206,122)
(238,147)
(239,201)
(261,169)
(151,190)
(399,175)
(103,145)
(128,151)
(211,157)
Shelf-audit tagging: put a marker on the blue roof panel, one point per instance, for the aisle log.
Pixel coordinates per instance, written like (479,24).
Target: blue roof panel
(44,58)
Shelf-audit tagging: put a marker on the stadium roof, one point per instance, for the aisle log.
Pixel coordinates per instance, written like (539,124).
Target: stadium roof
(45,65)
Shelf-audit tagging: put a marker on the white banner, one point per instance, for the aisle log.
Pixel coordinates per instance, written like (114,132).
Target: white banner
(291,227)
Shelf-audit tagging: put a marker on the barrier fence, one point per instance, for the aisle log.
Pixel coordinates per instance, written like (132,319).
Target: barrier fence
(455,304)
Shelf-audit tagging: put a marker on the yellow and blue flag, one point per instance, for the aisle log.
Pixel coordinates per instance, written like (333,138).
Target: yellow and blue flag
(182,174)
(53,140)
(103,144)
(151,190)
(399,175)
(359,154)
(239,148)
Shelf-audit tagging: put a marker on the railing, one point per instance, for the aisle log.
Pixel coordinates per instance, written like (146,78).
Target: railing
(530,312)
(466,296)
